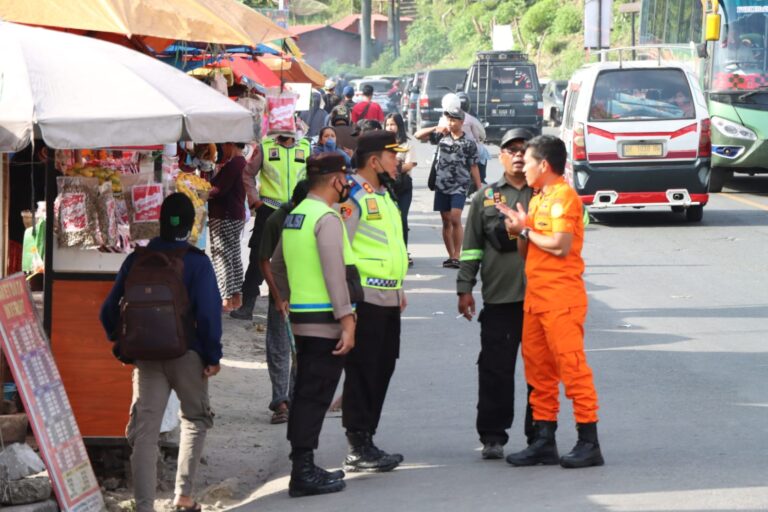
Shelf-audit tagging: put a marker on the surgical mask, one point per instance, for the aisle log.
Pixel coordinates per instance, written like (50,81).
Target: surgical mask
(330,144)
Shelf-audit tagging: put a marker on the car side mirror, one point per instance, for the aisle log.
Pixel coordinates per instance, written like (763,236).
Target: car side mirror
(459,87)
(701,50)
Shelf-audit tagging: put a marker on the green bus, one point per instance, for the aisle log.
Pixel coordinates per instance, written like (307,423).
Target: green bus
(731,37)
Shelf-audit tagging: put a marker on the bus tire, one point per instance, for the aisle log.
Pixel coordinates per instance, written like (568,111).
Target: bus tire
(694,213)
(718,178)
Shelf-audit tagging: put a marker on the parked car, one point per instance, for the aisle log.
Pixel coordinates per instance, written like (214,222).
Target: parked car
(503,88)
(380,90)
(638,135)
(553,101)
(436,84)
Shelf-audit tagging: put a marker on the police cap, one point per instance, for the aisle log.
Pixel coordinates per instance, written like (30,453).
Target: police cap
(378,140)
(326,163)
(515,134)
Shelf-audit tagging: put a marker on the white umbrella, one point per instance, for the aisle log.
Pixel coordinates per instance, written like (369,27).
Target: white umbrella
(78,92)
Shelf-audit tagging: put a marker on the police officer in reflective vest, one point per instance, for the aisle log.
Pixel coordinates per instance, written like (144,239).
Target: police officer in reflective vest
(488,248)
(284,161)
(375,228)
(313,265)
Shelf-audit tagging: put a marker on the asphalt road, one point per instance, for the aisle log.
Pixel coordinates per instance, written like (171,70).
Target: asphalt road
(676,335)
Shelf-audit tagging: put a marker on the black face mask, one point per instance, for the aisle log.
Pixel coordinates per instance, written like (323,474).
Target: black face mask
(344,192)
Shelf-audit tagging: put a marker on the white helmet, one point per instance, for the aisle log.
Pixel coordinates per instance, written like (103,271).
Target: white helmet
(451,102)
(330,84)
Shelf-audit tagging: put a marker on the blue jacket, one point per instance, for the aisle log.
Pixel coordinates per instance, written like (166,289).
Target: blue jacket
(204,299)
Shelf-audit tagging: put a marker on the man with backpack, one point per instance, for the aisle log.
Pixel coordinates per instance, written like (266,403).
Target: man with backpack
(164,313)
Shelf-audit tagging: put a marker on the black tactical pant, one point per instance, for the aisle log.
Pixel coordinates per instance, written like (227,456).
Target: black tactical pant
(369,366)
(501,330)
(317,374)
(253,277)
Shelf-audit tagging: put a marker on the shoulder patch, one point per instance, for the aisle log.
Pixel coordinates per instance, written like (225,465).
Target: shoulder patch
(294,221)
(345,210)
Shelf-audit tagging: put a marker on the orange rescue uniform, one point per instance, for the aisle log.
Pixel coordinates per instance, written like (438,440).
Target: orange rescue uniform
(555,310)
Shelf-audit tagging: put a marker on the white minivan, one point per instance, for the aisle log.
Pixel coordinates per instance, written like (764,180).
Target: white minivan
(638,135)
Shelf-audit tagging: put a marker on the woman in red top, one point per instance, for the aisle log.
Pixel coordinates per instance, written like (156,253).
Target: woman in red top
(226,212)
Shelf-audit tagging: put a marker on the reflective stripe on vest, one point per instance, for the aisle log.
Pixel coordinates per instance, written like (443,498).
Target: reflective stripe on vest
(281,169)
(310,302)
(378,244)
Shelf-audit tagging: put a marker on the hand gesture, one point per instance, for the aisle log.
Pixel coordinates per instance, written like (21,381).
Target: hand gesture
(514,220)
(467,305)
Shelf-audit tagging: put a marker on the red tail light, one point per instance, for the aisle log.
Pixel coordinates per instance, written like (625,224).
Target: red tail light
(424,102)
(705,139)
(579,149)
(540,109)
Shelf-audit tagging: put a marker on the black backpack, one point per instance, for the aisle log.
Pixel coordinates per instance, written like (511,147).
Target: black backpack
(155,313)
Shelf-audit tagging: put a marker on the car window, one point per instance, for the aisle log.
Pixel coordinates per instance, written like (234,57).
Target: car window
(572,99)
(560,89)
(512,78)
(379,86)
(445,80)
(641,94)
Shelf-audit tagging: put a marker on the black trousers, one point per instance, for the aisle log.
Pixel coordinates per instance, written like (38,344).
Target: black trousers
(369,366)
(501,330)
(317,374)
(253,277)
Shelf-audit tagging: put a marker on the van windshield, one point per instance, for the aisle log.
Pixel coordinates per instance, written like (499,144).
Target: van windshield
(445,80)
(641,94)
(511,78)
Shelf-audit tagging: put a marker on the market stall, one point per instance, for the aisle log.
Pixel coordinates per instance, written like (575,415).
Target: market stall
(133,102)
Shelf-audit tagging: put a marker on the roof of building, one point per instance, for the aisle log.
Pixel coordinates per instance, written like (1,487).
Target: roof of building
(348,21)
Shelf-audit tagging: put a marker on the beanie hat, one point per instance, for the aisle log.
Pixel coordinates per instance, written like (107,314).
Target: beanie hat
(176,217)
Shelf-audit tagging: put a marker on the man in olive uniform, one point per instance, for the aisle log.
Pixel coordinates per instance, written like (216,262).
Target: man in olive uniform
(283,164)
(376,232)
(487,247)
(311,266)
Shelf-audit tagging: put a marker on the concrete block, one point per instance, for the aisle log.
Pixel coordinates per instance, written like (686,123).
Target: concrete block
(20,460)
(43,506)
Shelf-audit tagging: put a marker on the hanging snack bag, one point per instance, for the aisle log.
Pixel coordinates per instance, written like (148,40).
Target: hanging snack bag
(281,106)
(76,211)
(107,207)
(144,198)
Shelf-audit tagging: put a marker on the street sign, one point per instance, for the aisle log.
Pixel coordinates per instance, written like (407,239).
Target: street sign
(27,350)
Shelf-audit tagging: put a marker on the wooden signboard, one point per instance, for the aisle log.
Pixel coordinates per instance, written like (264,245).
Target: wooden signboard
(39,383)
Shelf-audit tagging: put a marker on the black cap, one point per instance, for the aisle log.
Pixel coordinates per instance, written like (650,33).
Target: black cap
(515,134)
(177,214)
(378,140)
(326,163)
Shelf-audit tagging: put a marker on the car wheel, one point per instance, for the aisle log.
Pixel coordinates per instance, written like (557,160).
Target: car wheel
(694,213)
(718,178)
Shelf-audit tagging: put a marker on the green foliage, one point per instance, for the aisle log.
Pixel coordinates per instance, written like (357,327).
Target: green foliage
(568,20)
(539,18)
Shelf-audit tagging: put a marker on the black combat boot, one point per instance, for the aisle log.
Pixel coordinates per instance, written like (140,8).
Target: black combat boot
(363,457)
(307,479)
(396,456)
(244,312)
(587,450)
(543,449)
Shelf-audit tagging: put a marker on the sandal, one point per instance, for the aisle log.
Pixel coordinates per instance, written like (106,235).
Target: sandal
(448,263)
(280,415)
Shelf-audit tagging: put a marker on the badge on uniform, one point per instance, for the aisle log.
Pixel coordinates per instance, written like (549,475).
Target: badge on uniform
(368,188)
(300,155)
(373,209)
(274,154)
(345,211)
(294,221)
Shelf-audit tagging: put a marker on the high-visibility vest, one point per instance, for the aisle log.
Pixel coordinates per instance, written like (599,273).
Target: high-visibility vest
(378,244)
(281,169)
(310,302)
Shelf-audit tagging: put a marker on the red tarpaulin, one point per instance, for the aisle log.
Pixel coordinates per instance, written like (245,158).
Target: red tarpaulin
(251,69)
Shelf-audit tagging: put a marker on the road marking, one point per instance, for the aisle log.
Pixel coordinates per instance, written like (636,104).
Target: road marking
(748,202)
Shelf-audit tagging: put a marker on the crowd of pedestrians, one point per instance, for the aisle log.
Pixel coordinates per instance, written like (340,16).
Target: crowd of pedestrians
(330,238)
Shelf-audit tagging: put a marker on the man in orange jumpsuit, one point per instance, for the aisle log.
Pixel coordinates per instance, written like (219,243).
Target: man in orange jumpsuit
(551,236)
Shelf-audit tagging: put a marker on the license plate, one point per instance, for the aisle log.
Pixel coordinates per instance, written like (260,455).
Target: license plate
(633,150)
(505,112)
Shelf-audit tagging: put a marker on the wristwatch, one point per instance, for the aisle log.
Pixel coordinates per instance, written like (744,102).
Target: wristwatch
(524,234)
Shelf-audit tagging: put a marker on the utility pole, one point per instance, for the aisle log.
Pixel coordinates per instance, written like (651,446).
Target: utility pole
(365,34)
